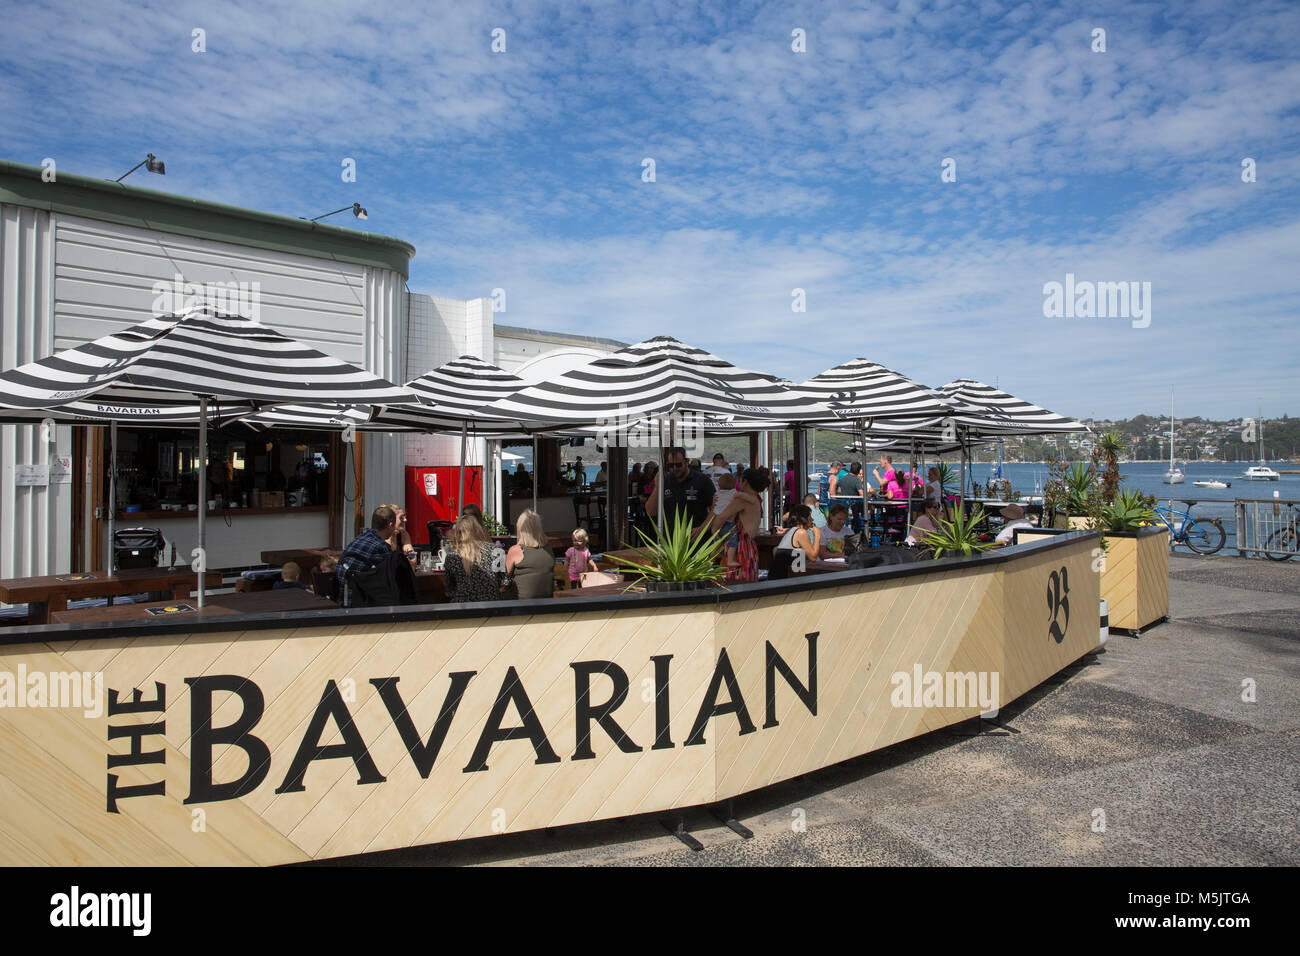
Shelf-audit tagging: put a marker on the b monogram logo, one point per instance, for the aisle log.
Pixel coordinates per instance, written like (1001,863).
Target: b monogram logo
(1058,601)
(842,399)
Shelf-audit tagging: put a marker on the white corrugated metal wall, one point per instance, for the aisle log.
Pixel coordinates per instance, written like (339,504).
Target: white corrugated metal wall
(386,357)
(67,280)
(35,521)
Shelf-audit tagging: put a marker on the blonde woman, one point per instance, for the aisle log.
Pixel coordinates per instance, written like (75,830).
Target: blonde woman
(531,563)
(469,564)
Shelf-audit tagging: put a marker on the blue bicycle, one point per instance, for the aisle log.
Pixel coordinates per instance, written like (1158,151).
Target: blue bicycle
(1202,535)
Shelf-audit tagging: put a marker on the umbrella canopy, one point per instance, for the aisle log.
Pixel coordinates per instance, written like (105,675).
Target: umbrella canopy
(448,397)
(655,378)
(992,411)
(227,359)
(861,389)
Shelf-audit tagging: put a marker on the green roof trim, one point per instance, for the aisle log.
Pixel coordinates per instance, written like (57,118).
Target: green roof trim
(108,201)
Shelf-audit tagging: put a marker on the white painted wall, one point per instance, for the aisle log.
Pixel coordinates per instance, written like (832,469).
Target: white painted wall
(35,522)
(242,543)
(443,329)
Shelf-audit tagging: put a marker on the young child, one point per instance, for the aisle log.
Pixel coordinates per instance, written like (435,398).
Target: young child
(727,493)
(578,558)
(289,575)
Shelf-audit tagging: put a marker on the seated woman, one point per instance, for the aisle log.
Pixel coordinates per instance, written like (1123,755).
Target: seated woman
(745,510)
(531,562)
(469,564)
(925,523)
(836,530)
(802,536)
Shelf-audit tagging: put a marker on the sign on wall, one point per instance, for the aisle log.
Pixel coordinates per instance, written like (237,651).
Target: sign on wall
(27,476)
(61,470)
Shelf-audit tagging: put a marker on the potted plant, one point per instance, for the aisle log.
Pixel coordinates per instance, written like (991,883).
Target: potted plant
(1071,497)
(1135,562)
(957,536)
(498,532)
(677,560)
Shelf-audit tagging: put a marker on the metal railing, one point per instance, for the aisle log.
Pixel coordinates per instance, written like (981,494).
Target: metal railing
(1267,526)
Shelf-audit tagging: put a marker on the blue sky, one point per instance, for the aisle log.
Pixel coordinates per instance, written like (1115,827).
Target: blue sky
(775,170)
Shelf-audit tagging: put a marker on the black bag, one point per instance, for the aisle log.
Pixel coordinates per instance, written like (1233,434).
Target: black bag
(387,583)
(136,547)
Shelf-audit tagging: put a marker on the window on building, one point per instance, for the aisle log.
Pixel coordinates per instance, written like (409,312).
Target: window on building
(158,469)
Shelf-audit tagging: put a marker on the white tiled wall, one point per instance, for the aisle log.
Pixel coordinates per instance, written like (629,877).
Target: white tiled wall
(440,330)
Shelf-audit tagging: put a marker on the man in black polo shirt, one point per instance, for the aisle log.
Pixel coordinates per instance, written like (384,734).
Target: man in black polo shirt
(683,488)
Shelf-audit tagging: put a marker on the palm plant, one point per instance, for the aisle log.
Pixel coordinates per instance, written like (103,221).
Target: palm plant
(957,535)
(1105,457)
(677,555)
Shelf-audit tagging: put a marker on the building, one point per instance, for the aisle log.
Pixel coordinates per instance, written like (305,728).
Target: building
(81,258)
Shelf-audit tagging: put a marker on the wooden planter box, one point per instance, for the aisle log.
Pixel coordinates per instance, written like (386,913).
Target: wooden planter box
(1134,575)
(1135,578)
(1072,523)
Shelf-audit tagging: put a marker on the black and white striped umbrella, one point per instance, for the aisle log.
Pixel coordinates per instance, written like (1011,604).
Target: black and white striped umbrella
(653,379)
(869,392)
(991,411)
(448,396)
(226,359)
(230,364)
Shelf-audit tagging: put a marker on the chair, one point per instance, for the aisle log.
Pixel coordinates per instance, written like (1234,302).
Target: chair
(589,513)
(438,530)
(325,584)
(390,582)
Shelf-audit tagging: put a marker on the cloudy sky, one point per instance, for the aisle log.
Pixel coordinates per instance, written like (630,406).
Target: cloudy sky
(775,169)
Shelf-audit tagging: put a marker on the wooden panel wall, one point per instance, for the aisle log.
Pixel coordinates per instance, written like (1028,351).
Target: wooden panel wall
(53,761)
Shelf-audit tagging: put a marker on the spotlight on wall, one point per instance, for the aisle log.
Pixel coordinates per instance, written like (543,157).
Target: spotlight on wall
(151,163)
(356,208)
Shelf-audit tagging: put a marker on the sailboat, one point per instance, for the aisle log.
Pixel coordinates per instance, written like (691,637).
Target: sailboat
(1261,472)
(1174,476)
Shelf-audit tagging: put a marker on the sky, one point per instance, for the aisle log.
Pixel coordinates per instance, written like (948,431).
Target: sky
(914,175)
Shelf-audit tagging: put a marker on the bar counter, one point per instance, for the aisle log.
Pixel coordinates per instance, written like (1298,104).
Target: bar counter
(324,733)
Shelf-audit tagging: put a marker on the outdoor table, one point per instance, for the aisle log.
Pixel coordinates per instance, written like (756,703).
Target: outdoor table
(220,605)
(306,558)
(431,586)
(48,595)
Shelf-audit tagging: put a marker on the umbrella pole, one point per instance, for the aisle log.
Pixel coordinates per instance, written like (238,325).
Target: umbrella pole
(659,484)
(203,494)
(535,472)
(112,492)
(460,494)
(911,493)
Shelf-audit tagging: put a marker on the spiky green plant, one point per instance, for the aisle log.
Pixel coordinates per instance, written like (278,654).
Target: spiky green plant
(675,555)
(1128,512)
(1080,486)
(957,535)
